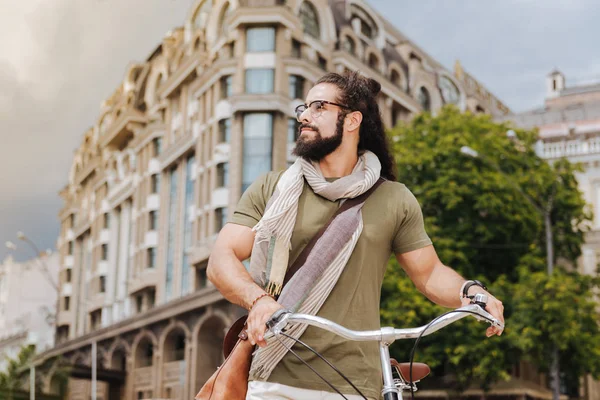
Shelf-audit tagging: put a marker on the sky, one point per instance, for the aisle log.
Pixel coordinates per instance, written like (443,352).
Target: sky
(60,59)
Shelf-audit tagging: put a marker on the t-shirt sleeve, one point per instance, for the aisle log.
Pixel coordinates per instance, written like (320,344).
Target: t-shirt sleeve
(253,202)
(410,230)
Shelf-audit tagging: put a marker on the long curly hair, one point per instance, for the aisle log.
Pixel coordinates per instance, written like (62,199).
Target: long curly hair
(359,93)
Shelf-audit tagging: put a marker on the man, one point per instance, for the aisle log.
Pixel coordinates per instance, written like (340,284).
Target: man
(342,152)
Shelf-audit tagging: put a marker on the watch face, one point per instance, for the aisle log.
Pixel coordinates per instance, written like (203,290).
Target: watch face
(449,91)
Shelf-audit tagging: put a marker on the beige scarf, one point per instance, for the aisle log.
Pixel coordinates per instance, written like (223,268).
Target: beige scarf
(272,243)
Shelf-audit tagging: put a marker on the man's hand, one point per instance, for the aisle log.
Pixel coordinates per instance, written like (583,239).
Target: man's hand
(493,306)
(258,317)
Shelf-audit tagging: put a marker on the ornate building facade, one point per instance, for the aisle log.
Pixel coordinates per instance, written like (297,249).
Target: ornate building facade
(171,152)
(569,126)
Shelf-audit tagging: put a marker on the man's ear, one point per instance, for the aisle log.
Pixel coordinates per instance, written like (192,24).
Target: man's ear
(353,120)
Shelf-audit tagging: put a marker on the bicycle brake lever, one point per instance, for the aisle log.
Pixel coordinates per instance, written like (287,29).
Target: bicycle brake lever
(277,323)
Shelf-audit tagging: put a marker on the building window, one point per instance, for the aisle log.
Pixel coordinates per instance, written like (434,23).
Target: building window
(259,80)
(96,319)
(322,63)
(106,221)
(151,253)
(310,20)
(153,220)
(156,146)
(67,303)
(171,232)
(72,220)
(104,252)
(151,297)
(155,183)
(225,130)
(395,78)
(226,87)
(258,139)
(187,225)
(296,83)
(349,45)
(373,61)
(68,275)
(260,39)
(293,133)
(296,49)
(70,248)
(201,278)
(362,21)
(223,175)
(449,90)
(139,303)
(424,99)
(102,284)
(220,218)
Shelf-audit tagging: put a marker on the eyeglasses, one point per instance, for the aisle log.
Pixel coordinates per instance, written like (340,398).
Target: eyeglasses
(316,108)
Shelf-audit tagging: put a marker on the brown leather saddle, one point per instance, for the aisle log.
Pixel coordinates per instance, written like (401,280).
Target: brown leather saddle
(419,370)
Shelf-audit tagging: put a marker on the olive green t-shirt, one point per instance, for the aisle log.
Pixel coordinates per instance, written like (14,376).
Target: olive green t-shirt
(393,222)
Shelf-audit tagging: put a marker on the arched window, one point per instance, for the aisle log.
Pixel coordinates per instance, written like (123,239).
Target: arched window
(225,11)
(424,99)
(449,90)
(373,61)
(395,78)
(310,20)
(349,45)
(201,17)
(363,22)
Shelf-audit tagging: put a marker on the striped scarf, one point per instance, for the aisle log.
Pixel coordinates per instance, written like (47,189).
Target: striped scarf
(306,291)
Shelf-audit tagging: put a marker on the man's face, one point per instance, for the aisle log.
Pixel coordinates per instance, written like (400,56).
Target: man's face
(321,128)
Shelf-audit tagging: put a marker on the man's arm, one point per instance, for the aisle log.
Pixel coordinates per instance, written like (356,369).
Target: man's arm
(226,271)
(442,284)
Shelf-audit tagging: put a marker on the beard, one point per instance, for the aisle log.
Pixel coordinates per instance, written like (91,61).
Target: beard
(317,148)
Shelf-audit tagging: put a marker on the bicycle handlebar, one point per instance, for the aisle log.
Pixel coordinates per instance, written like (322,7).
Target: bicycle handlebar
(387,334)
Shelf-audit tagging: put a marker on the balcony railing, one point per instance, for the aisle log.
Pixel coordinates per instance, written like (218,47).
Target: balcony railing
(174,371)
(571,148)
(143,376)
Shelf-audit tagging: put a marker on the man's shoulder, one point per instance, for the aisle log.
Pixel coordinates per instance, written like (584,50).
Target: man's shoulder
(394,188)
(264,186)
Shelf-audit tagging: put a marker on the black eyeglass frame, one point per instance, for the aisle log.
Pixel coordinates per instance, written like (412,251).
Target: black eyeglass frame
(307,107)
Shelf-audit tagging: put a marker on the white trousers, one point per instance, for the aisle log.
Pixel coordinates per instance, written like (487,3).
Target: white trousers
(258,390)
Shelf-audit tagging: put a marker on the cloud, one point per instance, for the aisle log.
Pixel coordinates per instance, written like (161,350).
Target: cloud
(61,59)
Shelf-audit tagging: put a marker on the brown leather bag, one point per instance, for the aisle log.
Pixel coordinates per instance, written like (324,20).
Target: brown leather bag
(230,380)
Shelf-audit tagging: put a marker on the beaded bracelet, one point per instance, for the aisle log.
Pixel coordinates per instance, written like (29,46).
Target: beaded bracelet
(260,297)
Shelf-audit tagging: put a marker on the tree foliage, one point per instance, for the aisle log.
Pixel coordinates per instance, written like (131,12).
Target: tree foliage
(16,376)
(484,215)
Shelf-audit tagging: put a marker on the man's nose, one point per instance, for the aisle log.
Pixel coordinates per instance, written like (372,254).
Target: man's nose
(304,116)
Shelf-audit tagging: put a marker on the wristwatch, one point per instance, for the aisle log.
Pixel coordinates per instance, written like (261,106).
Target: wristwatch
(464,291)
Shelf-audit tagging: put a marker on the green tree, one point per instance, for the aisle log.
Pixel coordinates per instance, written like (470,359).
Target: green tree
(480,216)
(16,377)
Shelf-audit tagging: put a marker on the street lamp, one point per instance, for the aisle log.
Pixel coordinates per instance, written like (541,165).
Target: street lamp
(545,213)
(39,256)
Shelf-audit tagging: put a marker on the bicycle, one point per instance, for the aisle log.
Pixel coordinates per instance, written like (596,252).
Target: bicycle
(408,374)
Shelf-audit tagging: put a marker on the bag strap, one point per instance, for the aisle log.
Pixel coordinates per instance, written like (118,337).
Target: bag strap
(301,259)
